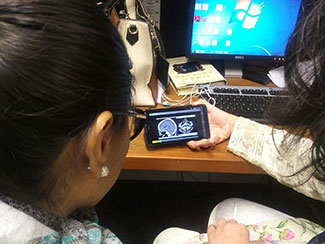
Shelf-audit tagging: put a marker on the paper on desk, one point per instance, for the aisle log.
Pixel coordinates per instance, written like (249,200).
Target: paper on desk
(206,76)
(305,69)
(277,76)
(185,91)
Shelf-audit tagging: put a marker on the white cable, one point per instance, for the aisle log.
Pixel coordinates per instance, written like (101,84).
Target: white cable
(175,102)
(203,92)
(182,101)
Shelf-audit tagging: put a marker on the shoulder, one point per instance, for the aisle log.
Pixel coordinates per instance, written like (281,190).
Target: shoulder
(74,231)
(17,227)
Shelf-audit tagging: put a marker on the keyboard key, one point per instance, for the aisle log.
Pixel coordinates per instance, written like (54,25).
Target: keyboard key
(254,91)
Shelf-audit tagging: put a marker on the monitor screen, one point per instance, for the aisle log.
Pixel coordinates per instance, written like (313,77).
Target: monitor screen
(241,28)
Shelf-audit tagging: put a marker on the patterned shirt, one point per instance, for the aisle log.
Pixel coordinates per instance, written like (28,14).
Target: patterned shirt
(265,147)
(80,228)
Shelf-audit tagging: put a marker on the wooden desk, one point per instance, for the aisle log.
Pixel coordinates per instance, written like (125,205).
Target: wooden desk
(181,158)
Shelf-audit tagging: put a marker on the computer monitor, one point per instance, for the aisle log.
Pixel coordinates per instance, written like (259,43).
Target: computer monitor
(241,29)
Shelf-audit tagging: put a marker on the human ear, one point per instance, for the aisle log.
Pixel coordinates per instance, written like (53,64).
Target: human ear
(97,140)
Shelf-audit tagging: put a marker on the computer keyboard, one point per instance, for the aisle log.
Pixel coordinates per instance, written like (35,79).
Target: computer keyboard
(246,101)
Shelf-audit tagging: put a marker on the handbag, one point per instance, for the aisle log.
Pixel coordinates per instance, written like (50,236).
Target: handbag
(137,32)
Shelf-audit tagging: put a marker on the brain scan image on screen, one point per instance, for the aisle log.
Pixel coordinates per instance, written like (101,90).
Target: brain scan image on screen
(167,128)
(176,124)
(185,126)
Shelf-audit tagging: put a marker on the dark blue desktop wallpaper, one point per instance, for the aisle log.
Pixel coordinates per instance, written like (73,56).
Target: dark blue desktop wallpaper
(243,27)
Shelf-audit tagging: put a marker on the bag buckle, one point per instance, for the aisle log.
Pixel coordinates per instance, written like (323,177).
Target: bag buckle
(132,35)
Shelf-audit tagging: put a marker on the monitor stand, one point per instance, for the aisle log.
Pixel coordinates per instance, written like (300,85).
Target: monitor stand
(233,68)
(229,68)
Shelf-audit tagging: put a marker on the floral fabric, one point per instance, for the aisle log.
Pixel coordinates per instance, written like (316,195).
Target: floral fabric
(292,230)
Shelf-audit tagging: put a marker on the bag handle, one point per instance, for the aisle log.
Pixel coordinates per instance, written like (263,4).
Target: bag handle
(156,41)
(142,13)
(134,9)
(131,8)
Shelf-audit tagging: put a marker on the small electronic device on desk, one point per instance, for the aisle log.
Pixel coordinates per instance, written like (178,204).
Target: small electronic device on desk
(235,31)
(186,75)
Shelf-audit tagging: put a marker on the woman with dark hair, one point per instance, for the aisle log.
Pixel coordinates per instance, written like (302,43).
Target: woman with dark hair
(293,151)
(64,132)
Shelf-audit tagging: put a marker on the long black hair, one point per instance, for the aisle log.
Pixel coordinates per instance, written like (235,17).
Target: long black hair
(61,64)
(304,67)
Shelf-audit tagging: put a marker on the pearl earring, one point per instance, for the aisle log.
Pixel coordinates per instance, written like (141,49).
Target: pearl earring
(104,171)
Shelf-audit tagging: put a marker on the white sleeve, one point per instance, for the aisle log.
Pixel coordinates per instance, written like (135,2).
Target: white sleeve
(262,146)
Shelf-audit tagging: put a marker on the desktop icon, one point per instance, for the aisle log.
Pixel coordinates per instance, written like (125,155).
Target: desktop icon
(219,7)
(247,13)
(197,18)
(205,6)
(198,6)
(210,19)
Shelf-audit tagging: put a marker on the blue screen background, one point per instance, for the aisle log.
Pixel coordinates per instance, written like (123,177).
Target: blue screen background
(267,38)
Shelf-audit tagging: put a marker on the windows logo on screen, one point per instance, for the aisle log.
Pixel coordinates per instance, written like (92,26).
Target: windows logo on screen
(247,13)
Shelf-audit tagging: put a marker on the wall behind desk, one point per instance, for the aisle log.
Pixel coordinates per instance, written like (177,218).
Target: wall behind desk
(174,26)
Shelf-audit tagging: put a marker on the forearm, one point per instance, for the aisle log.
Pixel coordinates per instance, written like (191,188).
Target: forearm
(263,147)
